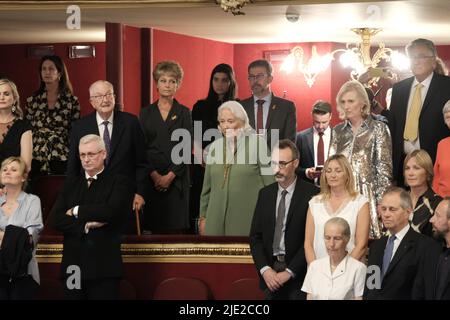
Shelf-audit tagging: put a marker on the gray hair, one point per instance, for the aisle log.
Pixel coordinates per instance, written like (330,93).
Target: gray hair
(91,88)
(93,138)
(446,107)
(341,222)
(361,92)
(405,198)
(238,112)
(422,42)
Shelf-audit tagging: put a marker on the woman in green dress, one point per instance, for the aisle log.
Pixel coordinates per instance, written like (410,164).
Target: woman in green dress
(237,167)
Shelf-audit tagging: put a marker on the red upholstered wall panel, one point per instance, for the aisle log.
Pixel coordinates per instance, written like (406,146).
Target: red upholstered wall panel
(15,64)
(132,69)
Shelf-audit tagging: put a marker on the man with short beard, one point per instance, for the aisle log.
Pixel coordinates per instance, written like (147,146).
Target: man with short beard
(435,284)
(278,227)
(267,112)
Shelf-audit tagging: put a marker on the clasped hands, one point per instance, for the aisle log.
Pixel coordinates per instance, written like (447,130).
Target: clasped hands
(90,224)
(162,182)
(275,280)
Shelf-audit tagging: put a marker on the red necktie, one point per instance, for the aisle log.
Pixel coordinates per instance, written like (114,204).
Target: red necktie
(259,116)
(320,150)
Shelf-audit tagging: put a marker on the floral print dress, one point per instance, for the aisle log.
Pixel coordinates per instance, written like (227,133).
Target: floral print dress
(51,127)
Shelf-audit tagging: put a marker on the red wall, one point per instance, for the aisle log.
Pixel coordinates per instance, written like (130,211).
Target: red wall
(196,56)
(15,64)
(132,69)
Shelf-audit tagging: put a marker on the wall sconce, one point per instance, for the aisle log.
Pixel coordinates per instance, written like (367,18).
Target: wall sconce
(356,56)
(233,6)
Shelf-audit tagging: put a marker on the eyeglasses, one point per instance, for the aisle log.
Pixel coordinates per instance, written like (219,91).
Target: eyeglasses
(256,77)
(421,58)
(101,97)
(281,164)
(89,155)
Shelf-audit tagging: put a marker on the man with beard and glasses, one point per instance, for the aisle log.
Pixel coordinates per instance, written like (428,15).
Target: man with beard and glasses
(435,281)
(266,111)
(278,227)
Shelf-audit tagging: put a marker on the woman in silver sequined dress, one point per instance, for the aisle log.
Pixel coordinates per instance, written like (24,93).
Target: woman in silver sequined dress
(367,145)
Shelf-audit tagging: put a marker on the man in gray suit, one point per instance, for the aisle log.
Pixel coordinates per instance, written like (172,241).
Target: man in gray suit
(313,143)
(265,111)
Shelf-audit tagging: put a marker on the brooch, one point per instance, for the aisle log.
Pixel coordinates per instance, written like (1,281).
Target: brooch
(174,117)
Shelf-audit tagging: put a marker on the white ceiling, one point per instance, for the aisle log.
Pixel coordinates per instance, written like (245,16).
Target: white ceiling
(264,22)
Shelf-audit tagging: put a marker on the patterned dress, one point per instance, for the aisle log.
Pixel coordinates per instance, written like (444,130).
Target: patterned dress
(51,127)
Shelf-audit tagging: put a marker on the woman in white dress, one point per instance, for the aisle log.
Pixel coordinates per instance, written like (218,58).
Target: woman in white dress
(338,198)
(337,276)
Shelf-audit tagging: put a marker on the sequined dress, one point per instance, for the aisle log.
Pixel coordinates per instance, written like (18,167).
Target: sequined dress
(369,152)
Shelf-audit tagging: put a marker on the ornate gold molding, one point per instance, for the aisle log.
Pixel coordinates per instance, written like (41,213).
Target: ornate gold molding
(165,253)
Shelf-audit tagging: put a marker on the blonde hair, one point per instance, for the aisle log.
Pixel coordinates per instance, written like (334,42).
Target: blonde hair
(22,167)
(325,190)
(16,109)
(360,92)
(168,67)
(424,161)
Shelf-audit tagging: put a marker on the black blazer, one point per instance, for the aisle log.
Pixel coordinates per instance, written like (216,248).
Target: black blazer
(432,128)
(108,199)
(263,229)
(127,148)
(404,271)
(282,116)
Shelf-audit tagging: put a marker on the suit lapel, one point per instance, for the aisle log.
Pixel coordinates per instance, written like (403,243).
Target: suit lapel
(273,109)
(310,144)
(405,245)
(173,116)
(92,124)
(294,201)
(117,132)
(272,210)
(249,106)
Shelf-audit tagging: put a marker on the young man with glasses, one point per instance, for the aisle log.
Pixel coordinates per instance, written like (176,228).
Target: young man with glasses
(278,227)
(90,211)
(266,111)
(415,118)
(123,137)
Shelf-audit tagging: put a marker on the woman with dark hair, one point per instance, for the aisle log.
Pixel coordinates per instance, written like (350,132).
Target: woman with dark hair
(51,111)
(222,88)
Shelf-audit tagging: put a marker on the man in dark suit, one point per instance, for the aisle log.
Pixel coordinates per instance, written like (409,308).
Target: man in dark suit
(311,140)
(435,281)
(123,138)
(265,111)
(415,116)
(394,262)
(278,227)
(90,211)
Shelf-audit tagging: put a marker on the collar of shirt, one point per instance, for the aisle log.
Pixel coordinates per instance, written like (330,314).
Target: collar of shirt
(290,189)
(100,120)
(95,177)
(326,133)
(340,268)
(425,83)
(19,198)
(267,99)
(401,234)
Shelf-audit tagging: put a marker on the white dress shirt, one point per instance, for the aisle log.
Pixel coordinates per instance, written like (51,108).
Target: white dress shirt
(398,239)
(101,127)
(267,100)
(326,143)
(409,146)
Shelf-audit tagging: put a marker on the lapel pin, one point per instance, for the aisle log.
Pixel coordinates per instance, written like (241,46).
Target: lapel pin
(174,117)
(274,106)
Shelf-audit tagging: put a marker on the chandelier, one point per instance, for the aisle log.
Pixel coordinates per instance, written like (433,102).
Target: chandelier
(233,6)
(355,56)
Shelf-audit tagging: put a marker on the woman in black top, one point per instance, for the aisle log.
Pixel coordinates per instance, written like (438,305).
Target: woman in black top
(222,88)
(15,132)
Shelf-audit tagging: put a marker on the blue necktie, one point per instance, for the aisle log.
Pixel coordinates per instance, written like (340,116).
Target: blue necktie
(107,140)
(388,255)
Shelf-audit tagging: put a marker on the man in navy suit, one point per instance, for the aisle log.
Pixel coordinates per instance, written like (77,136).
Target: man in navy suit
(123,138)
(394,263)
(418,125)
(267,112)
(308,141)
